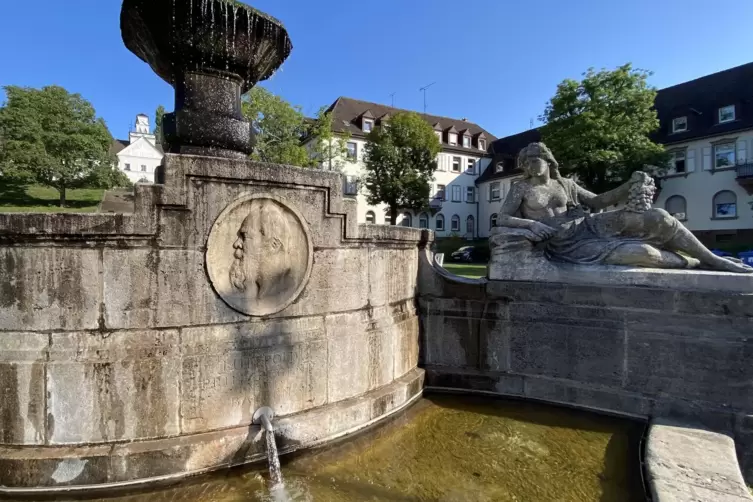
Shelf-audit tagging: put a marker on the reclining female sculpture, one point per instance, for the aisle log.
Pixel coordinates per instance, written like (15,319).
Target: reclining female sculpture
(548,211)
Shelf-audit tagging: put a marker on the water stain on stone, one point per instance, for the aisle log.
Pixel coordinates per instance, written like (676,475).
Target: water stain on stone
(111,409)
(149,391)
(11,423)
(35,409)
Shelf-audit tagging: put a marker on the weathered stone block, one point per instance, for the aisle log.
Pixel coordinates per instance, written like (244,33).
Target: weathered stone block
(615,297)
(579,395)
(49,467)
(451,341)
(690,368)
(567,315)
(582,354)
(130,287)
(683,463)
(49,288)
(337,284)
(494,342)
(120,387)
(22,380)
(183,294)
(229,371)
(716,304)
(360,353)
(461,307)
(532,292)
(406,346)
(691,326)
(697,413)
(392,275)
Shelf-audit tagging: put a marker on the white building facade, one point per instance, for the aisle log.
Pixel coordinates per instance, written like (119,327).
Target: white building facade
(453,209)
(707,127)
(140,156)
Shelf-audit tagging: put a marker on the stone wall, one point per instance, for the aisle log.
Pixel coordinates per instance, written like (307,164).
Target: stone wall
(639,351)
(121,360)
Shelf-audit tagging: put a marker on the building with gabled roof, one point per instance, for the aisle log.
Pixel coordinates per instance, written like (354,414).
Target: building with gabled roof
(140,155)
(454,205)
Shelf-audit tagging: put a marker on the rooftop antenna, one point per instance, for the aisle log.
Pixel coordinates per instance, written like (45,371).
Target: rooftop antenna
(424,89)
(531,124)
(393,99)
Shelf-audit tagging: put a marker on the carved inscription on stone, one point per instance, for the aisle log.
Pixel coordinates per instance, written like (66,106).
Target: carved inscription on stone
(259,255)
(223,390)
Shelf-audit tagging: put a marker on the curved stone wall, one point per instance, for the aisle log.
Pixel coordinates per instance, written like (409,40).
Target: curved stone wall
(643,343)
(126,346)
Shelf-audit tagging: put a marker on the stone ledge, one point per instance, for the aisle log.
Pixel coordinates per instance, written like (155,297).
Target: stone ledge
(535,269)
(36,470)
(684,464)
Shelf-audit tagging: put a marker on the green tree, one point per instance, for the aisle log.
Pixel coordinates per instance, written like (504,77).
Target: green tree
(330,150)
(158,115)
(54,138)
(599,128)
(400,162)
(279,127)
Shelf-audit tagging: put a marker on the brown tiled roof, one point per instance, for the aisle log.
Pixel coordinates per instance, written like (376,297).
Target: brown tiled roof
(346,112)
(505,151)
(118,146)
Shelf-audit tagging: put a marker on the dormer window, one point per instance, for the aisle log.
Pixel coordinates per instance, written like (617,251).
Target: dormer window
(727,114)
(500,167)
(439,135)
(482,144)
(679,124)
(453,138)
(466,141)
(368,125)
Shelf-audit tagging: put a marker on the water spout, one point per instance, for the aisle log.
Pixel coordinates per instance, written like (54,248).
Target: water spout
(263,417)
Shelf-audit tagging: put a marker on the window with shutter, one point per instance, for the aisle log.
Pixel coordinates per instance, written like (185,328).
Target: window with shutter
(742,152)
(690,160)
(707,166)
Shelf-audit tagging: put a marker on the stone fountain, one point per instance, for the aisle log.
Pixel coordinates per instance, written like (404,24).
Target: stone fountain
(211,52)
(136,347)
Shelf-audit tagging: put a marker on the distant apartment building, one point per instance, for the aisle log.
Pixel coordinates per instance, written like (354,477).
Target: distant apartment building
(707,126)
(453,208)
(140,155)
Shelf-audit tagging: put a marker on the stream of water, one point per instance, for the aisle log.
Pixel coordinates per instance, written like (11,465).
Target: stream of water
(450,449)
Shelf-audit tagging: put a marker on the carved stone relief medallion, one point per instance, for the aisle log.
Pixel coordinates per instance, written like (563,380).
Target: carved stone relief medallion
(259,254)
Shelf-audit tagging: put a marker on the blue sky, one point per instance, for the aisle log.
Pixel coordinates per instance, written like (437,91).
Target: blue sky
(495,62)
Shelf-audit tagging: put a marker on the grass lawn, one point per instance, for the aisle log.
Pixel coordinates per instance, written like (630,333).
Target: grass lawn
(470,270)
(40,199)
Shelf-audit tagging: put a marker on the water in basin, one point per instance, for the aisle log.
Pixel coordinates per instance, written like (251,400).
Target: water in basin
(450,448)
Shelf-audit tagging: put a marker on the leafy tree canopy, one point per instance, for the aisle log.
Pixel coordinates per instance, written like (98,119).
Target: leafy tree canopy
(599,128)
(400,162)
(279,127)
(54,138)
(331,150)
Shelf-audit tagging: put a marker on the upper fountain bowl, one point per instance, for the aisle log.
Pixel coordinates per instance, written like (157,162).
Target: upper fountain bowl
(179,36)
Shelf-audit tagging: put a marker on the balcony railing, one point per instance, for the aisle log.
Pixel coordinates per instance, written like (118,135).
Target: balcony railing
(745,171)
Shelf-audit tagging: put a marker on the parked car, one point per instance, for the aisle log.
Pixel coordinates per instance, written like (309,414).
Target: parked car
(466,254)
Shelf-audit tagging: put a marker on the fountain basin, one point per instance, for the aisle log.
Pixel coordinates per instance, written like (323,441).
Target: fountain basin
(448,447)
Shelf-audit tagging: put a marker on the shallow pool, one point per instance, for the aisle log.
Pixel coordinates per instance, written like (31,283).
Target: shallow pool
(450,448)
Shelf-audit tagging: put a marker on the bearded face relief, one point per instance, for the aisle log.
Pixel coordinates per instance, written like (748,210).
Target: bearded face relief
(267,255)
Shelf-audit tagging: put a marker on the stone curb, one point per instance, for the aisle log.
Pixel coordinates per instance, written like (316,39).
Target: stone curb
(685,464)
